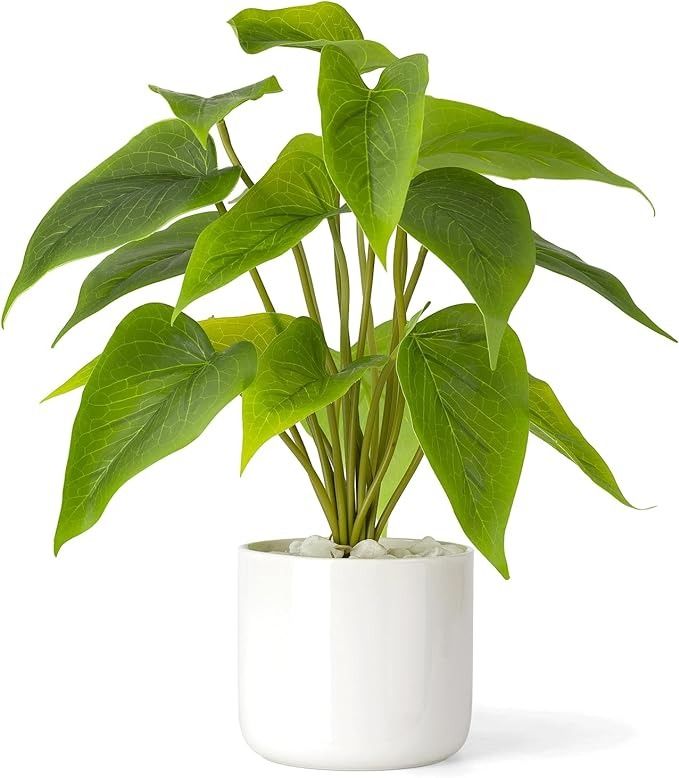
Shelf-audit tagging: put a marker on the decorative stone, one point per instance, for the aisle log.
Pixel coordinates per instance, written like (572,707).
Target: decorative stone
(316,546)
(368,549)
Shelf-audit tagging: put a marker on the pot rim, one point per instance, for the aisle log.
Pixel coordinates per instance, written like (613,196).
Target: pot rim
(249,549)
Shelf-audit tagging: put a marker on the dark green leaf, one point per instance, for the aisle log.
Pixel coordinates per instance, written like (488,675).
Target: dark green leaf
(308,27)
(163,255)
(482,232)
(371,137)
(550,422)
(155,388)
(202,113)
(292,383)
(461,135)
(161,173)
(290,201)
(471,421)
(567,264)
(257,328)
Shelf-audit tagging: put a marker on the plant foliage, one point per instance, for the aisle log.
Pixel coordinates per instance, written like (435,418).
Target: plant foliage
(450,388)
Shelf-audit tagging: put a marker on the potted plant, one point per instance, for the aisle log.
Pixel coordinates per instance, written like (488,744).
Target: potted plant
(370,635)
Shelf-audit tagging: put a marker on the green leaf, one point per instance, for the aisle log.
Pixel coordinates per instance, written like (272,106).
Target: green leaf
(461,135)
(471,421)
(306,142)
(371,137)
(303,25)
(257,328)
(78,379)
(292,383)
(160,256)
(309,27)
(202,113)
(567,264)
(154,390)
(260,329)
(161,173)
(550,422)
(290,201)
(366,55)
(482,232)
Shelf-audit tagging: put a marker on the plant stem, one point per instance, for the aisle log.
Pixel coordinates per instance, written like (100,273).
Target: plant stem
(415,275)
(231,153)
(306,280)
(373,491)
(325,493)
(315,482)
(395,497)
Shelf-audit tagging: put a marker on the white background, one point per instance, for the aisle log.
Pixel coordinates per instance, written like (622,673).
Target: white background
(119,657)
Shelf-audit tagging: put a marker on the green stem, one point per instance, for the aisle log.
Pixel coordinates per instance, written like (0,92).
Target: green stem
(373,491)
(396,496)
(316,483)
(231,153)
(307,283)
(415,275)
(373,416)
(312,306)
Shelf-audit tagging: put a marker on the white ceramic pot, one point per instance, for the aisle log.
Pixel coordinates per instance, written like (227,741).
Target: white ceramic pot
(353,664)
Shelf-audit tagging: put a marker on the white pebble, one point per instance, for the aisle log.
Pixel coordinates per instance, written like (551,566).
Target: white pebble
(368,549)
(316,546)
(400,553)
(295,547)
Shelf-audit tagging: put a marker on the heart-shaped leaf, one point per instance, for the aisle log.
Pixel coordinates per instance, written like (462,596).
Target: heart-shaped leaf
(292,383)
(202,113)
(461,135)
(303,25)
(371,137)
(567,264)
(287,203)
(257,328)
(471,421)
(161,173)
(160,256)
(482,232)
(154,389)
(550,422)
(307,142)
(309,27)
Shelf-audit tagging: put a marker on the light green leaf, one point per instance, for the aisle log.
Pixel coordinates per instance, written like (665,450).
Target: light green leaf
(309,27)
(292,383)
(161,173)
(471,421)
(303,25)
(366,55)
(482,232)
(567,264)
(550,422)
(371,137)
(306,142)
(153,391)
(160,256)
(290,201)
(461,135)
(202,113)
(257,328)
(260,329)
(78,379)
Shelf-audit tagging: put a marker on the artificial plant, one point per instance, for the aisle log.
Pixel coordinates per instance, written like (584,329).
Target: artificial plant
(408,171)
